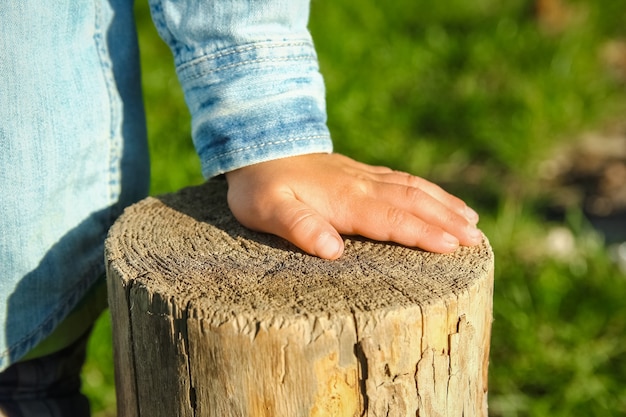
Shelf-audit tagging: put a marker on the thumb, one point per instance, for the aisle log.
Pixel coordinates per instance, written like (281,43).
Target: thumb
(298,223)
(305,228)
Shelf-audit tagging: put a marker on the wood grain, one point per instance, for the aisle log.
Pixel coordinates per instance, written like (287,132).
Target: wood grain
(211,319)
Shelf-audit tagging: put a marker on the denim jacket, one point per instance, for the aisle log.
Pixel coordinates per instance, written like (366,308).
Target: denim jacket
(250,76)
(72,131)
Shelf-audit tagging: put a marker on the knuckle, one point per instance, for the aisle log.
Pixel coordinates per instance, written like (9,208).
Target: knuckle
(358,189)
(302,222)
(395,218)
(450,218)
(409,179)
(414,195)
(424,231)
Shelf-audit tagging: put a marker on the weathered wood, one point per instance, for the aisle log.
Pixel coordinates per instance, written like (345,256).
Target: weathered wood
(211,319)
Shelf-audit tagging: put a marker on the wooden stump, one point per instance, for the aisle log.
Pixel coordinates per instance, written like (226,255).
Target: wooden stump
(211,319)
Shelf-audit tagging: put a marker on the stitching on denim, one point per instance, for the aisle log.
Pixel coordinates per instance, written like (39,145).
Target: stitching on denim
(242,49)
(202,73)
(114,112)
(262,145)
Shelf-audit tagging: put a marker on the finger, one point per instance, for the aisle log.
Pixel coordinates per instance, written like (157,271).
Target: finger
(300,225)
(305,228)
(430,210)
(449,200)
(381,221)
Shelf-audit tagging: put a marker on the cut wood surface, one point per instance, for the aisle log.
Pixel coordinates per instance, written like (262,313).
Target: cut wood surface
(212,319)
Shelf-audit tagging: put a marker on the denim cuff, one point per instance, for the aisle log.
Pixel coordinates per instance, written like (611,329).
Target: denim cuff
(255,102)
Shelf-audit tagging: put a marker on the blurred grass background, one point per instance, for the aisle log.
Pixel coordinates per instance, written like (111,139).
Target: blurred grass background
(475,96)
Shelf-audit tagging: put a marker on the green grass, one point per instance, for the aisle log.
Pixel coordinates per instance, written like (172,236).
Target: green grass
(473,95)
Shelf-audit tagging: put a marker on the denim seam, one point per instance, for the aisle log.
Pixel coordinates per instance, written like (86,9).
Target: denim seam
(243,49)
(202,73)
(262,145)
(105,65)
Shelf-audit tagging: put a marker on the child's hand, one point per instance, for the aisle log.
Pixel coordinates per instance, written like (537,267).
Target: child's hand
(311,199)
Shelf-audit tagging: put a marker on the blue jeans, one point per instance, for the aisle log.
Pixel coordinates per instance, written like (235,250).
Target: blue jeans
(72,131)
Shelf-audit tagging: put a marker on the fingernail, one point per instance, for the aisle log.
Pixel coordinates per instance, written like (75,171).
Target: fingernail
(471,215)
(450,240)
(475,235)
(328,246)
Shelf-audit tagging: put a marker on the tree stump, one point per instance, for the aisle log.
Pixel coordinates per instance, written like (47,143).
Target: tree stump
(212,319)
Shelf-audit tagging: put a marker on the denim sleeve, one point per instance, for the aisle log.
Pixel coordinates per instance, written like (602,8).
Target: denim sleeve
(250,76)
